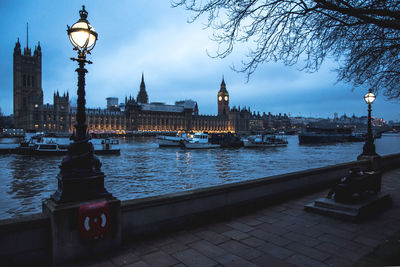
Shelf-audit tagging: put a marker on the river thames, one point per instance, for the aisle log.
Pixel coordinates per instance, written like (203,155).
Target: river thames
(142,169)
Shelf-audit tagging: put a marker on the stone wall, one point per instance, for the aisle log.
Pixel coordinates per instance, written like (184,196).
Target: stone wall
(25,240)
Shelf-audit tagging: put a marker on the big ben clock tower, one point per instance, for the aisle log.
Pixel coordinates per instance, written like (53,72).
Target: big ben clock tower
(223,100)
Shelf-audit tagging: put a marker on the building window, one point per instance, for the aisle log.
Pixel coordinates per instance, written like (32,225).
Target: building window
(24,80)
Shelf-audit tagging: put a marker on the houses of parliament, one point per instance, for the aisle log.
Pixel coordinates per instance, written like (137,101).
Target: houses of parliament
(30,113)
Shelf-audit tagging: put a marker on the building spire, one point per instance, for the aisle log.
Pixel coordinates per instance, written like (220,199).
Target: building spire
(27,36)
(27,50)
(223,85)
(142,96)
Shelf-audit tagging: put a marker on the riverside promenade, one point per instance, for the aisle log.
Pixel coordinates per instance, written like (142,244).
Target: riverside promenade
(282,234)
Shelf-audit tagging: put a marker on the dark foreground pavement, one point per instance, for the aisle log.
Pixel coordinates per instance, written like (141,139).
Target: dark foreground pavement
(280,235)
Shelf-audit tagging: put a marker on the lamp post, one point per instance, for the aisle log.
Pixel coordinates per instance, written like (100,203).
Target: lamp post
(80,176)
(369,147)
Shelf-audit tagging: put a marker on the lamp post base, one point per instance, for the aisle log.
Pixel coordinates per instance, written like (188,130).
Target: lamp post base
(80,189)
(80,178)
(374,161)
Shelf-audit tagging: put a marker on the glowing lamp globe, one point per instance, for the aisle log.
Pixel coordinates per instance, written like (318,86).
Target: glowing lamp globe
(82,35)
(370,97)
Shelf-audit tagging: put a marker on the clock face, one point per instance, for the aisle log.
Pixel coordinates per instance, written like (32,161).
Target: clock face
(220,98)
(226,98)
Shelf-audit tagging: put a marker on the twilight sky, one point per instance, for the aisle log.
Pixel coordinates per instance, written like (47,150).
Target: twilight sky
(151,37)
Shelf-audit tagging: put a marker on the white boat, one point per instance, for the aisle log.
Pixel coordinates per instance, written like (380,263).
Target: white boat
(105,145)
(200,140)
(168,141)
(44,148)
(40,145)
(264,141)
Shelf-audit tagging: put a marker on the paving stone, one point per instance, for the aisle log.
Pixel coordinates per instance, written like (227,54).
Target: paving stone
(191,257)
(240,226)
(337,262)
(250,220)
(276,251)
(162,241)
(348,226)
(338,251)
(220,228)
(268,219)
(341,242)
(307,251)
(273,228)
(304,240)
(241,250)
(236,235)
(301,260)
(253,242)
(159,259)
(268,260)
(269,237)
(186,238)
(303,222)
(138,264)
(279,207)
(213,237)
(124,257)
(270,213)
(173,247)
(140,249)
(208,249)
(367,241)
(334,231)
(278,240)
(294,211)
(307,231)
(260,234)
(234,261)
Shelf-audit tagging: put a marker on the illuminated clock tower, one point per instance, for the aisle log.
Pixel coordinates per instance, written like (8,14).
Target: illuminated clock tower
(223,100)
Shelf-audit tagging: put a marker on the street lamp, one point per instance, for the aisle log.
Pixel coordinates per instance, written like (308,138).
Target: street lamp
(369,147)
(80,176)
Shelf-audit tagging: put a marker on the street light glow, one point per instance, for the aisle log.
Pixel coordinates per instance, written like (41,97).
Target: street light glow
(82,35)
(370,97)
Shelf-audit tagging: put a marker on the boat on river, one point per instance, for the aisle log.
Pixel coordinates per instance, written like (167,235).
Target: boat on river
(316,135)
(39,144)
(264,141)
(172,141)
(198,141)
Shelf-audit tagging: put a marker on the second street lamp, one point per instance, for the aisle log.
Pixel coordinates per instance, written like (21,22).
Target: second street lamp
(80,176)
(369,147)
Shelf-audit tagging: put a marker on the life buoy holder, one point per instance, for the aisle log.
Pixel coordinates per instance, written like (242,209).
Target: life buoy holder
(94,220)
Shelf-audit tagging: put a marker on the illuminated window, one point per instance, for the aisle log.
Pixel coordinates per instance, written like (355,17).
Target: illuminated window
(36,126)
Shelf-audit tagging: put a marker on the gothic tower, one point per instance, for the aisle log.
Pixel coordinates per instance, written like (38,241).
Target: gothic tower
(223,100)
(61,112)
(142,95)
(28,93)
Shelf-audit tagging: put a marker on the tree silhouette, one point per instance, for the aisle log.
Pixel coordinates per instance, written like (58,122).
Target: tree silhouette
(361,35)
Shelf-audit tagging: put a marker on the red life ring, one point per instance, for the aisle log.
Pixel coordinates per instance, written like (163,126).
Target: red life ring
(94,220)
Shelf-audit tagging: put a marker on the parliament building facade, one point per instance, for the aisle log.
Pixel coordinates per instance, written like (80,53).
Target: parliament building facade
(30,113)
